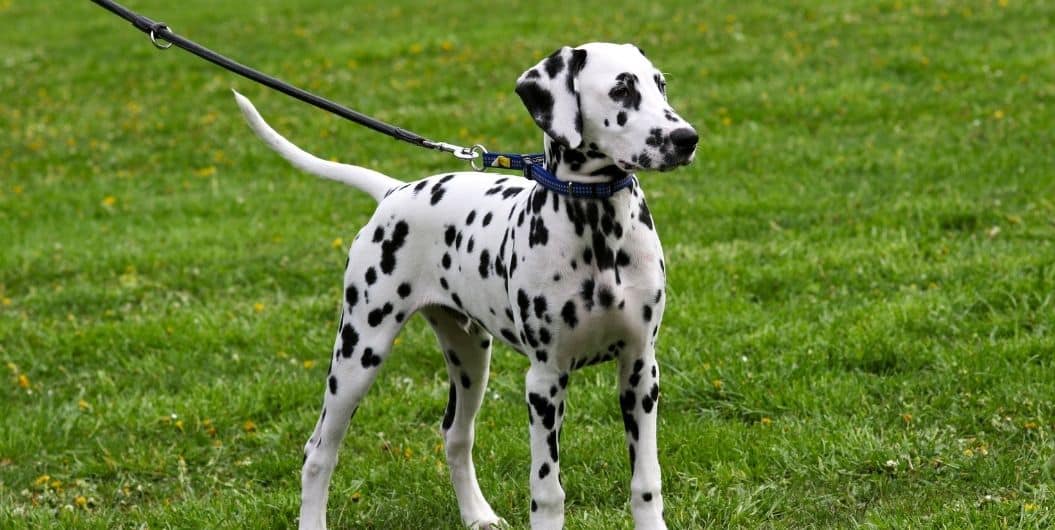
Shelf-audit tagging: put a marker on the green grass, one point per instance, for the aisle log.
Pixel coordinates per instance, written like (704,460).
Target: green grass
(861,319)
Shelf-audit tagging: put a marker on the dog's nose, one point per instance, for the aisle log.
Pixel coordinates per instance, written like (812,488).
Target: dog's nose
(684,139)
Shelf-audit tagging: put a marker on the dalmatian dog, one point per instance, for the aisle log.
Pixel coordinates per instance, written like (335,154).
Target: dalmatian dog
(568,282)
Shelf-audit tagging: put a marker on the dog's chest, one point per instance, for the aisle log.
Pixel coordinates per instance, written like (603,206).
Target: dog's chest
(591,269)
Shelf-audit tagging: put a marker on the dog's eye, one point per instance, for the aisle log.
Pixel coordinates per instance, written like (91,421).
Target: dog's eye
(619,92)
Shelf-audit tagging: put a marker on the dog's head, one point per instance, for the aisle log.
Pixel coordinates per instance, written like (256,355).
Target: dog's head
(610,97)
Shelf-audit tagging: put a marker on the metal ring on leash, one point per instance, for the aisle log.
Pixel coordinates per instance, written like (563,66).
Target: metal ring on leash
(154,39)
(478,151)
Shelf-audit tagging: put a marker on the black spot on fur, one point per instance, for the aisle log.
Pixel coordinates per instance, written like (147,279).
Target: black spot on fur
(379,234)
(620,118)
(469,219)
(554,64)
(509,336)
(568,314)
(537,234)
(644,215)
(449,235)
(635,376)
(376,316)
(485,263)
(466,382)
(333,384)
(544,409)
(371,276)
(539,303)
(647,497)
(626,92)
(452,402)
(487,219)
(611,171)
(349,338)
(551,441)
(575,65)
(403,290)
(351,296)
(604,297)
(586,292)
(543,471)
(633,458)
(646,312)
(369,359)
(523,303)
(390,246)
(626,403)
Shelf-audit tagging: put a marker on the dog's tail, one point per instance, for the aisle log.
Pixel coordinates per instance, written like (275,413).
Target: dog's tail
(372,182)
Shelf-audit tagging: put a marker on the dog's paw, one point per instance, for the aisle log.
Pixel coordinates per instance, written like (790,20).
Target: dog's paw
(492,524)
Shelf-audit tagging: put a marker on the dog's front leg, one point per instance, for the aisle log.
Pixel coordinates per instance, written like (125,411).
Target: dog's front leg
(639,401)
(545,398)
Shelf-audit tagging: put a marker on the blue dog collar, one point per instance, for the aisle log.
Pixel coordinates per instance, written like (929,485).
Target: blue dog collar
(534,167)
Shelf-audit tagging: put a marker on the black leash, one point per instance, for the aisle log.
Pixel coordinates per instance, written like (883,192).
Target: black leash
(164,38)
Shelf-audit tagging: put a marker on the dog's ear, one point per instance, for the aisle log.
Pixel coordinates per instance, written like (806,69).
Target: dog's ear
(550,92)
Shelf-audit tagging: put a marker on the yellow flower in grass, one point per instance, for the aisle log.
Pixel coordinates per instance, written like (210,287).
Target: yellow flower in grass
(81,501)
(1029,507)
(337,243)
(249,426)
(258,307)
(23,381)
(206,171)
(109,201)
(41,480)
(309,364)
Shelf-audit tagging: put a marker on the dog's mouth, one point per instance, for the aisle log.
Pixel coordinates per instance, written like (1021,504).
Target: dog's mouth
(666,162)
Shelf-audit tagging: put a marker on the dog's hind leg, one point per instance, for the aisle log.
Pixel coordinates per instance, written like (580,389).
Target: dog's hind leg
(467,350)
(373,313)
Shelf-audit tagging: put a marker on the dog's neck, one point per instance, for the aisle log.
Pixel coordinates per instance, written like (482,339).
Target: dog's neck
(585,164)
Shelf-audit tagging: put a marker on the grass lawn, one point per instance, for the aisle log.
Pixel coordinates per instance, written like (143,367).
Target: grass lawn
(860,329)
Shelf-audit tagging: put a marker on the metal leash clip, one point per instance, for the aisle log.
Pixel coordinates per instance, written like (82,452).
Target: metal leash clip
(164,45)
(461,153)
